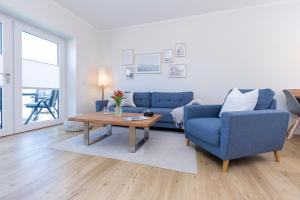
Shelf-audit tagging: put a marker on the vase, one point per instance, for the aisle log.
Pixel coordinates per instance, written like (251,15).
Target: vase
(118,110)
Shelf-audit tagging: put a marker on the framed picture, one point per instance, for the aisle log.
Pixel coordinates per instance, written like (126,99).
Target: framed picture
(168,55)
(148,63)
(128,57)
(177,71)
(129,73)
(180,50)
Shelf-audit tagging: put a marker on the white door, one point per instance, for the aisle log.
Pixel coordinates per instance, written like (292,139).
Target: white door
(39,82)
(6,76)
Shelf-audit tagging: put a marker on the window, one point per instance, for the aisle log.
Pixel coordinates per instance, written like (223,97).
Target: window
(40,79)
(38,49)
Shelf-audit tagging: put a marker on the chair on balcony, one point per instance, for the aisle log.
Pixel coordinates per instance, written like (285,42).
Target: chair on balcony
(41,103)
(237,134)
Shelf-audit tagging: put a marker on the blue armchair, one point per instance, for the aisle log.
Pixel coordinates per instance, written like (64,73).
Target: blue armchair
(237,134)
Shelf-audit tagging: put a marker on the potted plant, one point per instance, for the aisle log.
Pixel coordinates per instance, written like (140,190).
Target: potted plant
(118,96)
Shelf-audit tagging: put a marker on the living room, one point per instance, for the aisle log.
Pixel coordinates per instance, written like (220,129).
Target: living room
(149,99)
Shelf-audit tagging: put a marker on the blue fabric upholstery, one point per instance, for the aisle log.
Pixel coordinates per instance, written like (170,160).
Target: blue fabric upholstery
(134,109)
(142,99)
(252,132)
(170,100)
(241,134)
(196,111)
(100,105)
(165,112)
(199,127)
(160,124)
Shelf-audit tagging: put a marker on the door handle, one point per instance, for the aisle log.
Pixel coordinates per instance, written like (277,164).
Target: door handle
(7,77)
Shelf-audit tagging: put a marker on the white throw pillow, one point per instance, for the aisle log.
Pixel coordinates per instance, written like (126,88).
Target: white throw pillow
(128,99)
(111,101)
(238,101)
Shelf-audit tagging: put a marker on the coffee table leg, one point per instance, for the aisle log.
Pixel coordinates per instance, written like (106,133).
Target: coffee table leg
(86,134)
(109,129)
(146,133)
(133,146)
(132,140)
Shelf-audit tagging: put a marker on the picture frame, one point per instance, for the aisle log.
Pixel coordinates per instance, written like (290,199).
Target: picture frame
(177,71)
(168,55)
(180,50)
(128,57)
(129,73)
(149,63)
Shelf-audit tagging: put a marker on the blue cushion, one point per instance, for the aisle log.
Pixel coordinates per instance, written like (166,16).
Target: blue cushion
(134,109)
(142,99)
(265,98)
(170,100)
(205,129)
(165,112)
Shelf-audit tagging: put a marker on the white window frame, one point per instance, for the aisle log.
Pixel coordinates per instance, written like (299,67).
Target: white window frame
(7,92)
(20,27)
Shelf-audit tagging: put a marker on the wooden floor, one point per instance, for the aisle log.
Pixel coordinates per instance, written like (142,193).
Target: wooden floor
(29,169)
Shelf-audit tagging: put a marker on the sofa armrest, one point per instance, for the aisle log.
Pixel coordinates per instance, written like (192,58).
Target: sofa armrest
(251,132)
(100,104)
(197,111)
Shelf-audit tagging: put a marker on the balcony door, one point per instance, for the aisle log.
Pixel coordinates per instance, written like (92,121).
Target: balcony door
(39,82)
(6,76)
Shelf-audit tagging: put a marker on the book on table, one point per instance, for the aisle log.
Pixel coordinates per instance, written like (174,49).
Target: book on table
(138,118)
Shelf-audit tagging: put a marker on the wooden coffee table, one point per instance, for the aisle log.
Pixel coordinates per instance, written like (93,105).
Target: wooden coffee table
(110,120)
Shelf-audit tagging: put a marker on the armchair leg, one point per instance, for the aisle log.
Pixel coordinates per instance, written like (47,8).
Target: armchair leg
(225,165)
(187,142)
(277,156)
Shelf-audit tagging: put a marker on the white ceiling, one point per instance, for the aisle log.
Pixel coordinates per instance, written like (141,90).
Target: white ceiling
(108,14)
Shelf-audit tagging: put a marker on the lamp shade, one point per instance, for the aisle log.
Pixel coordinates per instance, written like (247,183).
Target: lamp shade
(102,77)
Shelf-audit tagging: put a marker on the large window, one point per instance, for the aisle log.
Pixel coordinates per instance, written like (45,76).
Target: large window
(40,79)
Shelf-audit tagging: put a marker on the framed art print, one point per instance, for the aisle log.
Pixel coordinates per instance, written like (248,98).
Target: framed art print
(128,57)
(168,55)
(177,71)
(180,50)
(129,73)
(148,63)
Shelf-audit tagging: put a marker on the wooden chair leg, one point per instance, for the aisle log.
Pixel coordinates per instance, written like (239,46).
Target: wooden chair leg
(225,165)
(291,125)
(277,156)
(293,128)
(187,142)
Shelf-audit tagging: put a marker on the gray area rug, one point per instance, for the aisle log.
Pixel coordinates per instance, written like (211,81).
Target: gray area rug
(164,149)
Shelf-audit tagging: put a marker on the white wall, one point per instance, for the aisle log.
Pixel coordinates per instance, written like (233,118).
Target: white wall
(247,48)
(83,44)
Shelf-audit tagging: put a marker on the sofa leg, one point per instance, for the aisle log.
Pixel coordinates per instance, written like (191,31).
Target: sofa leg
(225,165)
(277,156)
(187,142)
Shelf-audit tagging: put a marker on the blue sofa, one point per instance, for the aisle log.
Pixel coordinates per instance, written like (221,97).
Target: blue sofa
(158,102)
(237,134)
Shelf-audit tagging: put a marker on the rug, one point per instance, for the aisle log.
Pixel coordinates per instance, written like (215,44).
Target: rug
(164,149)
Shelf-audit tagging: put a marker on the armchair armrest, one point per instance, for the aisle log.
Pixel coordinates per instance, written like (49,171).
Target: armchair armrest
(252,132)
(197,111)
(100,105)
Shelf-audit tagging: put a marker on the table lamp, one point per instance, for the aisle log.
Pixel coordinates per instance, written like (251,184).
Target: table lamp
(102,80)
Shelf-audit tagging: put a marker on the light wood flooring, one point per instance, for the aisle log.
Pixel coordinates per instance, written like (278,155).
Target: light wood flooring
(29,169)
